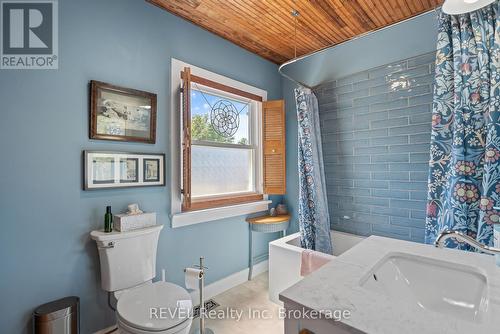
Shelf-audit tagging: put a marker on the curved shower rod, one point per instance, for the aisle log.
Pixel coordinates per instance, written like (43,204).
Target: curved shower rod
(295,59)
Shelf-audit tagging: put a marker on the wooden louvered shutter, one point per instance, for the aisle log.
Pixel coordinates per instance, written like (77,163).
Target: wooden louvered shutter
(274,147)
(186,138)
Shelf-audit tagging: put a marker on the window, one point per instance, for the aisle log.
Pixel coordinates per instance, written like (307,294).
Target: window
(224,173)
(222,162)
(222,146)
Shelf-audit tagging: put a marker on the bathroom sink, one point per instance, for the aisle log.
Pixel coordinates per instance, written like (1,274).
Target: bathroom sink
(438,286)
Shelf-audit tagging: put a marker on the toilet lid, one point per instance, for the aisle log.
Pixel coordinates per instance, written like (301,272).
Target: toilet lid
(158,306)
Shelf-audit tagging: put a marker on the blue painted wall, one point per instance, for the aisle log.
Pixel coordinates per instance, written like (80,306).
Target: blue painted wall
(401,41)
(45,216)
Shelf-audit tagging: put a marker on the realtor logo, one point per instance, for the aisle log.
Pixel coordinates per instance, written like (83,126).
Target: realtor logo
(29,36)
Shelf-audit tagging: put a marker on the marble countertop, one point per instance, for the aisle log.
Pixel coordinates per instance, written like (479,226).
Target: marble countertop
(336,286)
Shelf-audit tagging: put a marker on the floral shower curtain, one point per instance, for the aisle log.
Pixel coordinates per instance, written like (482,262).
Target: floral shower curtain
(464,179)
(314,219)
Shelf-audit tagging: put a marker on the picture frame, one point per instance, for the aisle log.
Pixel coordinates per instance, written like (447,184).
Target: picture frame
(122,114)
(113,169)
(151,168)
(103,171)
(129,170)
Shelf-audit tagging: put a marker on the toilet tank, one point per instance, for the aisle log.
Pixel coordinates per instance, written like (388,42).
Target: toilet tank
(127,258)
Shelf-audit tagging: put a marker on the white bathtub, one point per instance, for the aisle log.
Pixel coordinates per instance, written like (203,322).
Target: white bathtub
(285,257)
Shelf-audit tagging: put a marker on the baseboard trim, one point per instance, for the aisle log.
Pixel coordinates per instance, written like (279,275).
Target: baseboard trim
(218,287)
(230,282)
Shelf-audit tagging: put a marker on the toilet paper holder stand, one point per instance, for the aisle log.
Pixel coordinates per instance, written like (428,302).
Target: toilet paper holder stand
(202,268)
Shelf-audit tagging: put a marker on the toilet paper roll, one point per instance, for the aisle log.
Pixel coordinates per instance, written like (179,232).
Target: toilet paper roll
(192,278)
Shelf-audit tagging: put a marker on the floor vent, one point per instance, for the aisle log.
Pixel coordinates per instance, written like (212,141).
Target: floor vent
(209,305)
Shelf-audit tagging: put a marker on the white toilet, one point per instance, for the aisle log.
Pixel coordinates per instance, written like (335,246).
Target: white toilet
(128,264)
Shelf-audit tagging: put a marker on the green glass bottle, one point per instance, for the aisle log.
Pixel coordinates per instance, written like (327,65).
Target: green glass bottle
(108,220)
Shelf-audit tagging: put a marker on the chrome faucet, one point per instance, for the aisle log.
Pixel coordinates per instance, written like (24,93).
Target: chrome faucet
(449,234)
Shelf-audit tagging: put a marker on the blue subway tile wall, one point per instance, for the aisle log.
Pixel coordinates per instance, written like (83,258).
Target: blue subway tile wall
(376,129)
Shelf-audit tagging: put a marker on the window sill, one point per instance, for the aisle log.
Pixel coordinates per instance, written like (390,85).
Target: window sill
(202,216)
(213,202)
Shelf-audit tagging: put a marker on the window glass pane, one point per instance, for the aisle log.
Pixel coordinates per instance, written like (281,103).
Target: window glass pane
(218,119)
(218,170)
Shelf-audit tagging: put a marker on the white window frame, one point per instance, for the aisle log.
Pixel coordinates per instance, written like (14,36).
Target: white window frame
(179,218)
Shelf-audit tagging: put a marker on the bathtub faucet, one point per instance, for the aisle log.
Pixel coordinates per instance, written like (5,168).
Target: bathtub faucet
(449,234)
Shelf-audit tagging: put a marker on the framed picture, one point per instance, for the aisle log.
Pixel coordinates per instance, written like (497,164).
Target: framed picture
(151,170)
(129,170)
(122,114)
(104,169)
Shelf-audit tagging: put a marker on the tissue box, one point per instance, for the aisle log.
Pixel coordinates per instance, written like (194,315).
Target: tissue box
(124,222)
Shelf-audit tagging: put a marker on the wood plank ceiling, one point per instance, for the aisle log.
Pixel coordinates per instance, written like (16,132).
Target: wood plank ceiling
(266,27)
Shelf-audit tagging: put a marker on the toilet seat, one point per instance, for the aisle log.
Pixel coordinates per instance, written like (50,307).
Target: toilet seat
(154,308)
(124,328)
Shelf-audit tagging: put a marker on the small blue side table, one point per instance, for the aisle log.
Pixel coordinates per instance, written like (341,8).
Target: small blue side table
(265,224)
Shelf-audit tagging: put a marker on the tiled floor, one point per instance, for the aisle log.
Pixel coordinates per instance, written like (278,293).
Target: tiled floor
(251,301)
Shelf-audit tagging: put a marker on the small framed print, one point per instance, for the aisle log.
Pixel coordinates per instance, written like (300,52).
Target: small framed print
(123,114)
(105,170)
(151,170)
(129,170)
